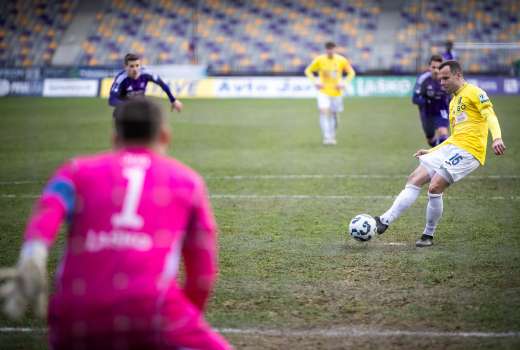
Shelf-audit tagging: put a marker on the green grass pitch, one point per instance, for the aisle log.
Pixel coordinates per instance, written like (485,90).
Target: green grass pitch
(286,262)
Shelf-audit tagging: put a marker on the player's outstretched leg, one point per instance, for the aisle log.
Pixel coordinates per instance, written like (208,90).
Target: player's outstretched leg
(404,200)
(433,210)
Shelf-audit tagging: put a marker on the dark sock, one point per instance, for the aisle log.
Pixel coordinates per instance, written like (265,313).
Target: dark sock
(441,139)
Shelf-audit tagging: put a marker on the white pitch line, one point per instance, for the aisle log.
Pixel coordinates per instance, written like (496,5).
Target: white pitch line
(24,195)
(293,196)
(328,332)
(21,182)
(300,177)
(296,197)
(339,176)
(341,197)
(400,244)
(22,330)
(358,332)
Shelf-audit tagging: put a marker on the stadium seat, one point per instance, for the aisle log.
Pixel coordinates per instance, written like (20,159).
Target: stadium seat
(32,30)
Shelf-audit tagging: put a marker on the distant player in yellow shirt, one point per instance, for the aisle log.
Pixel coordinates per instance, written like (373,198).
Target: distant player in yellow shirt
(471,116)
(330,68)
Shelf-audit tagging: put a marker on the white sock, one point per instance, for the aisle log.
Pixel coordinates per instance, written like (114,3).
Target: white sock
(433,213)
(325,126)
(334,117)
(402,202)
(332,125)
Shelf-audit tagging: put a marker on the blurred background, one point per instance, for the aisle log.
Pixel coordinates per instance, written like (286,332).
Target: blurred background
(263,37)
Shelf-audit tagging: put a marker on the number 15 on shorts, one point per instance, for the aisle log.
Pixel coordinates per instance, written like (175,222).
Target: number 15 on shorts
(454,160)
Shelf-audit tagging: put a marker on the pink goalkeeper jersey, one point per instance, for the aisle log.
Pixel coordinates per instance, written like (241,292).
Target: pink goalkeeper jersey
(131,213)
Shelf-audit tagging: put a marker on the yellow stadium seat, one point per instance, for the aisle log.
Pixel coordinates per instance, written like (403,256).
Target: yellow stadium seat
(474,67)
(225,68)
(163,56)
(277,68)
(296,62)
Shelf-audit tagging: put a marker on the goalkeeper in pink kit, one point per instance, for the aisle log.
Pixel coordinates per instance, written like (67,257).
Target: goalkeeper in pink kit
(132,214)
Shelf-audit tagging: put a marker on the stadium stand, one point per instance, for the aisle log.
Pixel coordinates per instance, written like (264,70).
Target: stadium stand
(234,36)
(430,23)
(261,36)
(30,31)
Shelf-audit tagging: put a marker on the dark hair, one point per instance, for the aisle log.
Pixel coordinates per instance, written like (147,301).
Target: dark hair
(454,66)
(330,45)
(131,57)
(138,121)
(435,58)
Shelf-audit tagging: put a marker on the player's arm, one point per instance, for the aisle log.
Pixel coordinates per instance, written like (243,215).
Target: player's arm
(115,97)
(175,104)
(486,110)
(351,73)
(418,93)
(310,70)
(26,283)
(200,250)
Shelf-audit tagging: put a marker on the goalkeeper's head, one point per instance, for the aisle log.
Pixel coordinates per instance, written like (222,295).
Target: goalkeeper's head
(141,122)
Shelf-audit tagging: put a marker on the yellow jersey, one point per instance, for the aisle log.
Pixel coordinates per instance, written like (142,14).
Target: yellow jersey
(471,115)
(330,72)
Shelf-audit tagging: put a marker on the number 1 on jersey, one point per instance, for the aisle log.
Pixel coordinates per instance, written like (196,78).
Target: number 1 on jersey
(128,217)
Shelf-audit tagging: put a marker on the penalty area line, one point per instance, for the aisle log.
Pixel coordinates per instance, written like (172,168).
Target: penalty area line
(359,332)
(298,177)
(326,332)
(340,176)
(297,197)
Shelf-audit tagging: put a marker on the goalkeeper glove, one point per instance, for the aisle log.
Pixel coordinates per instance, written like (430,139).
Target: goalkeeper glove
(26,284)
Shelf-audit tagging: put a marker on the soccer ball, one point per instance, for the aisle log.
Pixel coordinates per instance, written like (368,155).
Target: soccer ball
(362,227)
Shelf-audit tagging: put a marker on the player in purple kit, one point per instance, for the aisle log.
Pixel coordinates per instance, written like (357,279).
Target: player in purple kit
(132,81)
(433,103)
(449,54)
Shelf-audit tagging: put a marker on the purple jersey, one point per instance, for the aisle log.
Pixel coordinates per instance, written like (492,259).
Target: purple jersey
(429,96)
(125,87)
(449,55)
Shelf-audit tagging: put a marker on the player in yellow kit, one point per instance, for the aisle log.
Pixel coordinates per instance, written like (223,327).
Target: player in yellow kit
(471,116)
(330,68)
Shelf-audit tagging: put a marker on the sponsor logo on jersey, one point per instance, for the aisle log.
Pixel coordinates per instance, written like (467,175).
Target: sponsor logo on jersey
(117,239)
(462,117)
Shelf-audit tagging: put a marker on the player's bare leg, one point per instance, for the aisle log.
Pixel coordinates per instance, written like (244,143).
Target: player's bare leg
(433,210)
(405,199)
(441,134)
